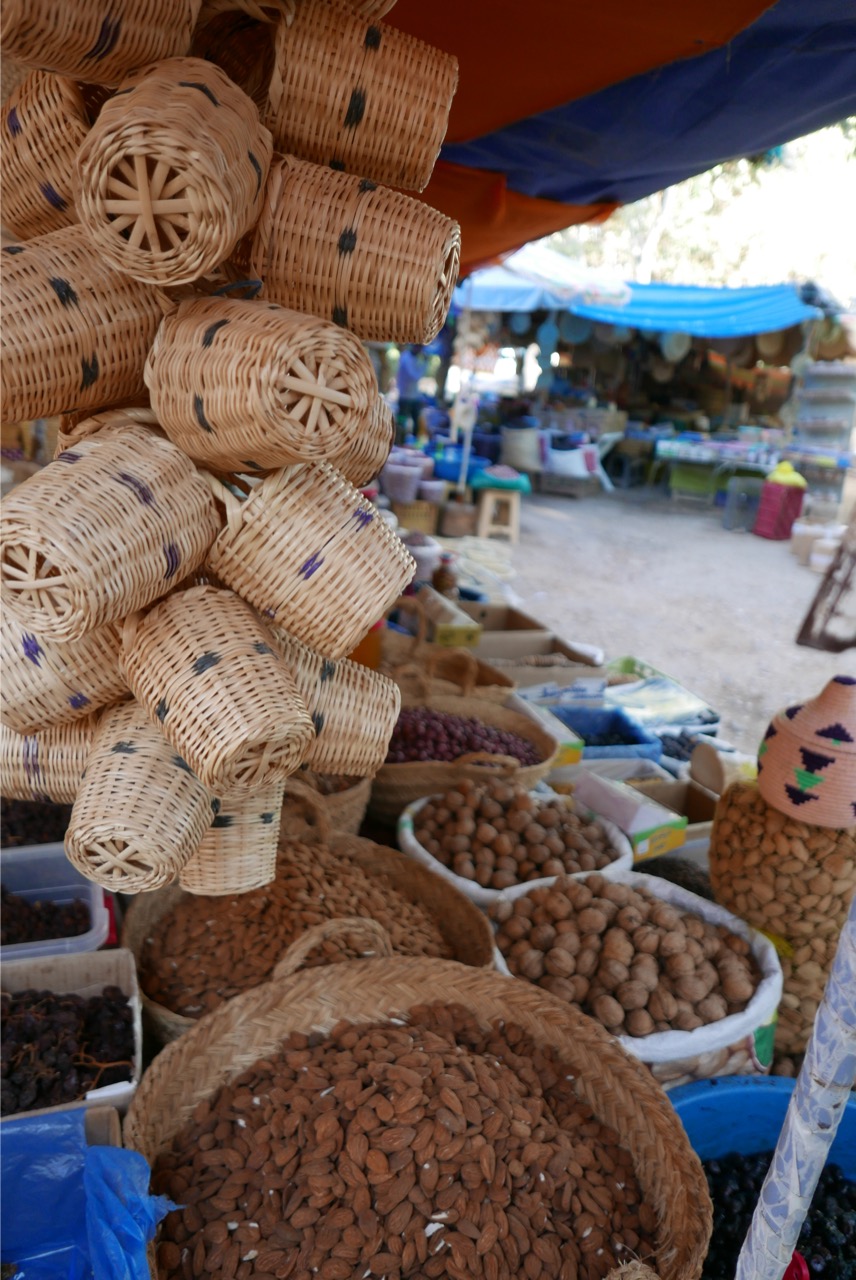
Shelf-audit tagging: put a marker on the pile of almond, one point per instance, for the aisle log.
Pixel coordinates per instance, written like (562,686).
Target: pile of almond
(207,950)
(632,961)
(427,1150)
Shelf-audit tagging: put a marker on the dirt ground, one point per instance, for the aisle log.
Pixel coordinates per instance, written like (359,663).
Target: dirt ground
(642,575)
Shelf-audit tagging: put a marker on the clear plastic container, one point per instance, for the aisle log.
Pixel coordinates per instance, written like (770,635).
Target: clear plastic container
(42,872)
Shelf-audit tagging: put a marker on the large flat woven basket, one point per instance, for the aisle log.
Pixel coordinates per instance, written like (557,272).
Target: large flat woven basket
(307,550)
(45,766)
(249,386)
(238,851)
(47,683)
(395,786)
(353,708)
(76,333)
(89,41)
(617,1088)
(45,124)
(370,259)
(172,172)
(201,665)
(140,813)
(108,527)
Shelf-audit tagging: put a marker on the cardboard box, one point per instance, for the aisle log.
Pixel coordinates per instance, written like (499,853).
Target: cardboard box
(651,826)
(508,634)
(693,802)
(448,625)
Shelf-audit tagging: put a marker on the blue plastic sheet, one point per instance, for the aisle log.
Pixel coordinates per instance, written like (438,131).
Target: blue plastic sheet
(70,1211)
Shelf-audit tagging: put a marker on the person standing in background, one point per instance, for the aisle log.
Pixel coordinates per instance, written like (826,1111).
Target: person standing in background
(411,367)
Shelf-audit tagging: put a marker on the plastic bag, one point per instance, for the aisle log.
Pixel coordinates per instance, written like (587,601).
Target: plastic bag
(71,1211)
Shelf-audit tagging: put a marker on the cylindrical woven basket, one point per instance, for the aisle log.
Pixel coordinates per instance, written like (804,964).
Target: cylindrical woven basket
(353,708)
(45,766)
(249,386)
(395,786)
(91,42)
(172,172)
(616,1087)
(202,666)
(74,427)
(45,683)
(345,809)
(105,529)
(238,851)
(140,813)
(75,332)
(307,550)
(792,881)
(369,450)
(371,260)
(45,123)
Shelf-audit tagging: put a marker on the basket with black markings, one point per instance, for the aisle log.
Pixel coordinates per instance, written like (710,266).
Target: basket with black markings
(367,453)
(238,851)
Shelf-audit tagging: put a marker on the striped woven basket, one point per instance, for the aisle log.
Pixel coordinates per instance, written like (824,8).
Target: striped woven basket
(75,333)
(106,528)
(45,683)
(307,549)
(45,766)
(353,709)
(374,261)
(248,386)
(94,42)
(238,851)
(371,447)
(45,124)
(140,812)
(172,172)
(201,665)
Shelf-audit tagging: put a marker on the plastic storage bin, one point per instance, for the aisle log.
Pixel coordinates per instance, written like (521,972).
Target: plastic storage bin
(592,722)
(42,873)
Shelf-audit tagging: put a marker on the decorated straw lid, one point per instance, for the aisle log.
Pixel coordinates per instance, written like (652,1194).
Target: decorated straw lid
(807,760)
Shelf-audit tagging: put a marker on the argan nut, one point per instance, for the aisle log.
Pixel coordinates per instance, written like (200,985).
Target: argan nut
(691,988)
(608,1011)
(632,995)
(712,1008)
(644,969)
(639,1023)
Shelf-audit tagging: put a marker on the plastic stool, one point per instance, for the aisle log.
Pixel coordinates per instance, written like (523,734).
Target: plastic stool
(743,494)
(499,514)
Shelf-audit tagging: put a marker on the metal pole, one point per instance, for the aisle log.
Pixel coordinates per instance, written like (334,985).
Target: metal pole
(816,1107)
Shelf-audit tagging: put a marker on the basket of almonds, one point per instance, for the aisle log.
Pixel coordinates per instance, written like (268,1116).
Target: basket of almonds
(686,987)
(494,839)
(413,1117)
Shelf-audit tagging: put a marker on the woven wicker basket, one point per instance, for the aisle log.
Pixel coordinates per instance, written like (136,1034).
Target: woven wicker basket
(353,709)
(93,42)
(108,527)
(45,683)
(74,427)
(616,1087)
(372,260)
(307,549)
(443,673)
(45,766)
(12,74)
(249,386)
(172,172)
(45,125)
(201,665)
(75,333)
(395,786)
(370,448)
(238,851)
(344,810)
(140,813)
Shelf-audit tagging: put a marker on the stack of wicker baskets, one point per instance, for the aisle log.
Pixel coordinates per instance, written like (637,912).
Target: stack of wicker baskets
(183,582)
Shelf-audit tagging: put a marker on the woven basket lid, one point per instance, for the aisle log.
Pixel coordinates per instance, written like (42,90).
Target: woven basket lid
(807,760)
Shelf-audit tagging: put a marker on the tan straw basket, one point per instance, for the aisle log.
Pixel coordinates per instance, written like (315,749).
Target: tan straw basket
(353,708)
(249,386)
(140,813)
(45,766)
(345,809)
(238,851)
(45,683)
(74,427)
(306,549)
(94,42)
(374,261)
(395,786)
(172,172)
(108,527)
(45,124)
(202,666)
(616,1087)
(371,447)
(366,99)
(75,333)
(439,673)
